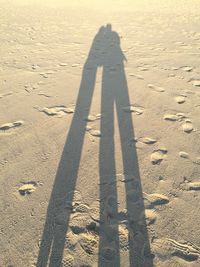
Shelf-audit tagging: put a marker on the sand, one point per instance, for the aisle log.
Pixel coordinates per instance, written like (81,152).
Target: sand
(100,133)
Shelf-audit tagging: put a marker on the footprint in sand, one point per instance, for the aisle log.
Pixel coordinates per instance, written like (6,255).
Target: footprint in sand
(197,161)
(91,118)
(137,76)
(56,110)
(63,64)
(71,241)
(44,75)
(44,94)
(187,68)
(150,216)
(187,126)
(180,99)
(8,126)
(108,253)
(158,156)
(151,200)
(196,83)
(123,238)
(143,68)
(184,155)
(174,117)
(147,140)
(6,94)
(156,88)
(171,117)
(138,110)
(92,132)
(165,248)
(27,188)
(78,223)
(186,185)
(67,261)
(89,243)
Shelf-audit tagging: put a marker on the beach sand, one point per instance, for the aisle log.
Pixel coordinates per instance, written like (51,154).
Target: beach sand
(100,133)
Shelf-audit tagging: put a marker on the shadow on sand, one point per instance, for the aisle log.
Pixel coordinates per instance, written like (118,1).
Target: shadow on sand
(105,52)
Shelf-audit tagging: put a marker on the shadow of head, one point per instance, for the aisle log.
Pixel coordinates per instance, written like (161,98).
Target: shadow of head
(105,50)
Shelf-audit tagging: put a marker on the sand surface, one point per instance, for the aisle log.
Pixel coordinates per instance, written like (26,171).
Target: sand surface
(100,133)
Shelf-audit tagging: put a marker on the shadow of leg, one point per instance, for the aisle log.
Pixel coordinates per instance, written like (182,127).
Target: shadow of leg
(139,247)
(58,212)
(109,238)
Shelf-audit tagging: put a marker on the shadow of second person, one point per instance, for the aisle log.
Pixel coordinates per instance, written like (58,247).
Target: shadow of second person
(133,244)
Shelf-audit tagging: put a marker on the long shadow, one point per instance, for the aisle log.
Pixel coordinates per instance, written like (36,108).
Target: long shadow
(53,238)
(115,94)
(106,52)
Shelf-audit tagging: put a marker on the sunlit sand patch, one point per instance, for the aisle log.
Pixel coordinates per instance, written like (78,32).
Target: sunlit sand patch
(91,117)
(150,216)
(71,240)
(95,133)
(123,238)
(89,243)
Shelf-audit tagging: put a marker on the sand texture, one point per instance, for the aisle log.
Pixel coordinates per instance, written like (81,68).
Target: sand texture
(100,133)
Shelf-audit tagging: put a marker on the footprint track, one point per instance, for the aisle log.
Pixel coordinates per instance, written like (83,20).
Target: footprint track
(166,247)
(10,125)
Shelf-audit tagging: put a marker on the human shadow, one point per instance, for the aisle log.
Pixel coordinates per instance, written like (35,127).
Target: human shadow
(115,94)
(105,52)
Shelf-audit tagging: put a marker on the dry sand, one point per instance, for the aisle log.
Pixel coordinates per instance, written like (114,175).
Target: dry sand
(100,133)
